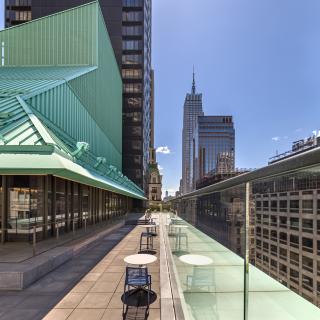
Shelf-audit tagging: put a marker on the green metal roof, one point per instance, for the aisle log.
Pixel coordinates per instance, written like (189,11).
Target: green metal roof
(61,101)
(29,146)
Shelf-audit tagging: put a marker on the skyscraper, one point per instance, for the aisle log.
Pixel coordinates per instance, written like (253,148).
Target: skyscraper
(191,110)
(213,146)
(129,27)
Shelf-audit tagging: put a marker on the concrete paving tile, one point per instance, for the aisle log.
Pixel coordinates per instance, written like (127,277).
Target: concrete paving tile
(115,301)
(58,314)
(95,301)
(92,276)
(154,314)
(104,286)
(111,276)
(112,314)
(86,314)
(121,269)
(71,300)
(83,286)
(100,268)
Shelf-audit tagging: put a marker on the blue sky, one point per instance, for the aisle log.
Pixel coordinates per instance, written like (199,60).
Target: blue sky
(1,14)
(258,61)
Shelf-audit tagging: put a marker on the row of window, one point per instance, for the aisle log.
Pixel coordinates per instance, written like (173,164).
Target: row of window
(293,223)
(132,16)
(23,15)
(132,45)
(294,240)
(306,206)
(132,3)
(132,30)
(132,88)
(133,102)
(307,282)
(131,59)
(132,73)
(18,3)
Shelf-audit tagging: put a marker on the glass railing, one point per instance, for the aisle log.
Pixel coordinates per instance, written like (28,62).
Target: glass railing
(229,264)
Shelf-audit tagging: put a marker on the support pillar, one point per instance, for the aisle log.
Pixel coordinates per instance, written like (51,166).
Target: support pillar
(4,205)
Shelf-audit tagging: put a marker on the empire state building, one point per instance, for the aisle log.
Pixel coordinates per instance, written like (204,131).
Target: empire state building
(191,110)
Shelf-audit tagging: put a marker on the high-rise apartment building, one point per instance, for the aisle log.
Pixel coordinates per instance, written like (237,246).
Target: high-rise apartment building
(213,146)
(129,27)
(191,110)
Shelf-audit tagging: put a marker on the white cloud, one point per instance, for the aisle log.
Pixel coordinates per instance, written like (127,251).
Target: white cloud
(160,168)
(275,138)
(164,150)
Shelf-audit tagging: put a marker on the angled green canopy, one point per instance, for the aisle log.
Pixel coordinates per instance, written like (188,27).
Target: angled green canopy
(61,101)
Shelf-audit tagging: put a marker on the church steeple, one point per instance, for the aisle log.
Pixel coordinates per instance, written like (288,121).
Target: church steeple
(193,91)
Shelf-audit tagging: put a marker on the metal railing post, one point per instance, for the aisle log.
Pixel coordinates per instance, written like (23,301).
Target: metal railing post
(246,255)
(57,228)
(73,228)
(34,240)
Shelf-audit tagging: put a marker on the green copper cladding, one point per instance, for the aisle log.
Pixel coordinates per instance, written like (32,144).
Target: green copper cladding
(61,90)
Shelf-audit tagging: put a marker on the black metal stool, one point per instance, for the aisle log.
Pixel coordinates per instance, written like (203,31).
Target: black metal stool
(148,244)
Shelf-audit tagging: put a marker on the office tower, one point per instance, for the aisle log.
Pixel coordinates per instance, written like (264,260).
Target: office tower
(17,12)
(191,110)
(288,226)
(129,27)
(213,146)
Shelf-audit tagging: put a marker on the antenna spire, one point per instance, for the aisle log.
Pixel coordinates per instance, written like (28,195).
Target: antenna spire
(193,83)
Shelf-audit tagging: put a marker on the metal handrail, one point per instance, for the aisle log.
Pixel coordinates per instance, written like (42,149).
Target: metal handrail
(308,159)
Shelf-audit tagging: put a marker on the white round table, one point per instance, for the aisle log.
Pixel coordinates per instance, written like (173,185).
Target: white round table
(140,259)
(196,259)
(148,226)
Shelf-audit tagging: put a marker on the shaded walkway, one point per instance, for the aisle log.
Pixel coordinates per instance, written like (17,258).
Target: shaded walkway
(37,300)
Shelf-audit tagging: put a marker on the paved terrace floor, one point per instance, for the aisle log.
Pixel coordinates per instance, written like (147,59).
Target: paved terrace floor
(89,286)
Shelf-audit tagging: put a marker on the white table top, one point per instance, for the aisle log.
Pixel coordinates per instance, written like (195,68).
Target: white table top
(179,226)
(196,259)
(147,225)
(140,259)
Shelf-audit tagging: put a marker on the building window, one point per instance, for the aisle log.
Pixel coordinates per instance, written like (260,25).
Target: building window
(132,88)
(307,283)
(132,16)
(132,45)
(132,30)
(132,3)
(294,276)
(294,223)
(133,102)
(307,263)
(131,59)
(131,73)
(307,225)
(283,205)
(307,206)
(307,244)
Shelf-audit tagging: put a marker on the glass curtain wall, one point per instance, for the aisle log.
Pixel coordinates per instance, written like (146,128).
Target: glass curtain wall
(45,203)
(260,241)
